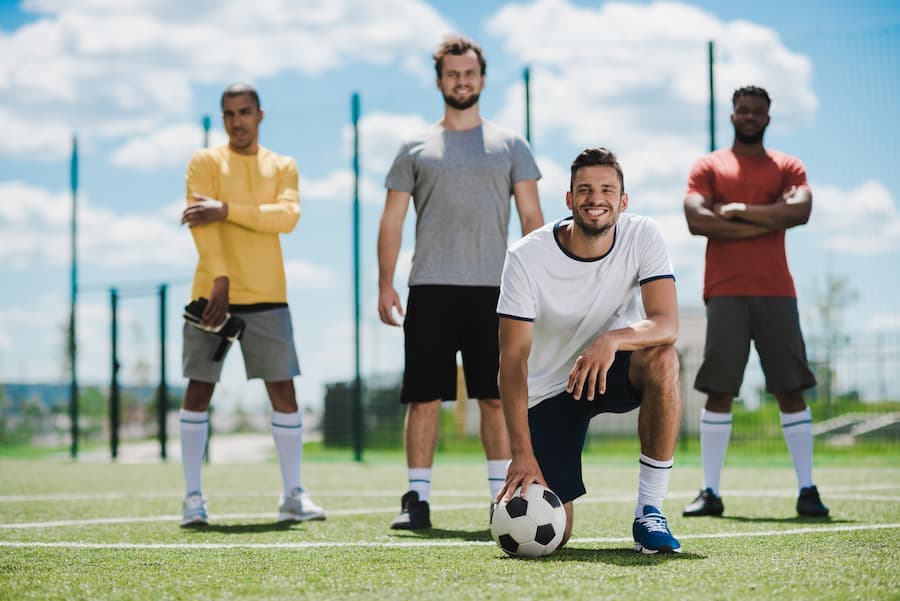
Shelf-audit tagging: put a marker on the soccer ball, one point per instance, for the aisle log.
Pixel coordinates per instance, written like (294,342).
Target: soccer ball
(529,526)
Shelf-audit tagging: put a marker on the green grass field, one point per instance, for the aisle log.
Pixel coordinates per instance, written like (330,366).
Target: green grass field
(110,531)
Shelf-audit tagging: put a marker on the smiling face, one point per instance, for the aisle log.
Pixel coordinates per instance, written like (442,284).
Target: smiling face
(596,199)
(241,117)
(461,80)
(750,119)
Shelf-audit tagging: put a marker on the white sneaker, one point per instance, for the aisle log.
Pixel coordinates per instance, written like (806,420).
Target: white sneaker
(299,507)
(194,510)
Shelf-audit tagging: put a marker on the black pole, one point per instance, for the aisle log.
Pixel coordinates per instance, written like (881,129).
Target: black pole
(73,347)
(163,396)
(526,74)
(712,99)
(114,397)
(357,380)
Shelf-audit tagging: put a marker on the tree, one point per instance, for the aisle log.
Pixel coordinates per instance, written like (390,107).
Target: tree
(831,301)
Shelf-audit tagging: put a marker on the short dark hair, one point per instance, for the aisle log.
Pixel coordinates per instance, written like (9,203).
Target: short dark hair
(751,91)
(238,89)
(457,45)
(596,156)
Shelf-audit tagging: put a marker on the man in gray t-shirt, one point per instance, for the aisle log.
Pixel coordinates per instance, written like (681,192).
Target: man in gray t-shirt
(460,173)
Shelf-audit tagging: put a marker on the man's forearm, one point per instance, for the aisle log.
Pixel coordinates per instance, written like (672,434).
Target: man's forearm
(778,216)
(718,228)
(389,239)
(274,218)
(514,398)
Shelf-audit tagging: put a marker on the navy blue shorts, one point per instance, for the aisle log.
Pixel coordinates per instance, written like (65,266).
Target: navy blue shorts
(559,426)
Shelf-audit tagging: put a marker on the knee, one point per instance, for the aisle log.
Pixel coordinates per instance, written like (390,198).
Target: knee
(198,395)
(282,396)
(791,402)
(490,405)
(661,363)
(719,402)
(423,410)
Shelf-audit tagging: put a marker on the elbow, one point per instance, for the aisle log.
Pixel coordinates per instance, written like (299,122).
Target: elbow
(694,225)
(287,225)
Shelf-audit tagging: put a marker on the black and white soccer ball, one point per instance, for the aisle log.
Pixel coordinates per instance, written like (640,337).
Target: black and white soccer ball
(529,526)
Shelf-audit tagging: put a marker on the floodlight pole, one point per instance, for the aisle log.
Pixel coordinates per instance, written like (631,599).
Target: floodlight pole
(712,97)
(73,348)
(163,396)
(526,75)
(357,380)
(114,397)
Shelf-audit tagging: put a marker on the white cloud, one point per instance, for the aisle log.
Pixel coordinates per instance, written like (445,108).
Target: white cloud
(552,189)
(50,137)
(6,343)
(643,91)
(34,232)
(842,214)
(120,68)
(883,321)
(380,136)
(302,275)
(170,146)
(337,186)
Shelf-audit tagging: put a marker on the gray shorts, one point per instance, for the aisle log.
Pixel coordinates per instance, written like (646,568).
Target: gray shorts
(773,323)
(267,346)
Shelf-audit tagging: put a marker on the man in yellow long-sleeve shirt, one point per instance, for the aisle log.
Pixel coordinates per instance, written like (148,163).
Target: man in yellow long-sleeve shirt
(240,197)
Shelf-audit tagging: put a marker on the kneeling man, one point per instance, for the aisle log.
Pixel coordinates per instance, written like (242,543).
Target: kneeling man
(573,343)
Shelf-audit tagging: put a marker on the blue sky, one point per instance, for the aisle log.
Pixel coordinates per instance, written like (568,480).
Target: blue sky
(134,79)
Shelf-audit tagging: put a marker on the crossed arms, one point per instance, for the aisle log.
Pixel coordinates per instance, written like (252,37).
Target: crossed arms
(737,220)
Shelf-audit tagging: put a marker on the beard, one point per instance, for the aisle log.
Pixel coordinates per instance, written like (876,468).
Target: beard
(461,105)
(592,231)
(749,138)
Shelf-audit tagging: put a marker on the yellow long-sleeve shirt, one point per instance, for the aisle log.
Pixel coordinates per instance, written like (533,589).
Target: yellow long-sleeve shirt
(263,202)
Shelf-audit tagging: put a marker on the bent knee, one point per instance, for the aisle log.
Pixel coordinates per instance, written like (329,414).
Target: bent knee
(664,356)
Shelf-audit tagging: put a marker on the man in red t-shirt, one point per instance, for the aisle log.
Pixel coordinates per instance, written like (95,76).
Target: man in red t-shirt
(743,199)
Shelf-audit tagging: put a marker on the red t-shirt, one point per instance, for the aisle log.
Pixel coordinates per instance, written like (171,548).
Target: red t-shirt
(751,266)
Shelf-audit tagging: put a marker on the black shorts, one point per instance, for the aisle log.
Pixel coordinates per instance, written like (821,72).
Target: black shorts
(773,323)
(441,320)
(559,426)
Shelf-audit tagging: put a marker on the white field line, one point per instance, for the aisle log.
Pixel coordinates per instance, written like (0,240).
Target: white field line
(829,491)
(215,517)
(425,543)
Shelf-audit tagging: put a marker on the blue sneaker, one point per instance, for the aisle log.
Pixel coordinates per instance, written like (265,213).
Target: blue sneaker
(651,533)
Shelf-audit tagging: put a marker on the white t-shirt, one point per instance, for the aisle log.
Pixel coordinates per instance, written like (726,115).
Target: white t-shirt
(571,300)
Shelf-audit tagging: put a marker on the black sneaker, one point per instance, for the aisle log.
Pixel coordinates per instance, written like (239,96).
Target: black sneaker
(706,503)
(414,514)
(810,504)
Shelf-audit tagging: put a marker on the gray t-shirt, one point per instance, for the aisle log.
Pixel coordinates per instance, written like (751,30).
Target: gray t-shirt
(461,183)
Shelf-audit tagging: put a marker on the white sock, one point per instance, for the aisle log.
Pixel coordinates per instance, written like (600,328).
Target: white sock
(287,430)
(420,481)
(194,431)
(715,432)
(496,475)
(797,429)
(653,483)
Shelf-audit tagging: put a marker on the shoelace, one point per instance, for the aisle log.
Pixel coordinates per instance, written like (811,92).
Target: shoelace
(194,502)
(654,522)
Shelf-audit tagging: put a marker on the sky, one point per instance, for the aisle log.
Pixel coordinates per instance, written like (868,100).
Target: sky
(133,79)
